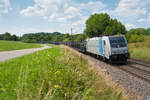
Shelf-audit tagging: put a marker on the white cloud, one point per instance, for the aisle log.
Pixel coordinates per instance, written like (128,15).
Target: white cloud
(30,11)
(60,10)
(72,11)
(146,20)
(131,8)
(96,6)
(52,10)
(141,20)
(129,26)
(42,7)
(4,6)
(64,12)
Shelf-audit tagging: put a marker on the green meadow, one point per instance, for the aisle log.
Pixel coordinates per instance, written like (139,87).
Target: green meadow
(141,50)
(13,45)
(53,74)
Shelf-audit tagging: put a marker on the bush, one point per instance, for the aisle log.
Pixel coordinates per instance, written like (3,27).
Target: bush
(135,38)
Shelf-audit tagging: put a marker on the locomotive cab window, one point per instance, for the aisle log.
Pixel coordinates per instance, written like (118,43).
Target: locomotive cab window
(117,42)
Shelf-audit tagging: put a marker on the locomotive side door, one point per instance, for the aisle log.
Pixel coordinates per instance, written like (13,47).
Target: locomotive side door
(104,48)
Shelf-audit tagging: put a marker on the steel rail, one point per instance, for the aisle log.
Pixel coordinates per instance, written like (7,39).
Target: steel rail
(134,74)
(140,62)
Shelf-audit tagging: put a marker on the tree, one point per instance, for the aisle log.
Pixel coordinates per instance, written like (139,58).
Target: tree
(1,37)
(115,27)
(135,38)
(79,37)
(148,31)
(96,24)
(100,24)
(66,37)
(137,31)
(14,38)
(136,35)
(6,36)
(42,37)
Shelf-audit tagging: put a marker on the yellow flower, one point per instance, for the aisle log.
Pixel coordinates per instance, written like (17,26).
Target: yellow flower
(57,86)
(57,72)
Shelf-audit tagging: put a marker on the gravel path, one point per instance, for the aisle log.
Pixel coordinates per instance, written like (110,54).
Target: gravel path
(6,55)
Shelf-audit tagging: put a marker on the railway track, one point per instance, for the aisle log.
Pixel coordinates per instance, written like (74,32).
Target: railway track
(136,78)
(138,68)
(140,62)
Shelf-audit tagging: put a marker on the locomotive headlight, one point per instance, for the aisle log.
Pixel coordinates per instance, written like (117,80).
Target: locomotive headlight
(126,51)
(113,52)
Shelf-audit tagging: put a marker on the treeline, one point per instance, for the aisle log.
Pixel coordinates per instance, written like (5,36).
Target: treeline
(52,37)
(44,37)
(137,34)
(96,26)
(133,35)
(8,36)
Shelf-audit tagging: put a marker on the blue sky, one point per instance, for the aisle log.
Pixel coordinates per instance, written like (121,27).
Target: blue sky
(27,16)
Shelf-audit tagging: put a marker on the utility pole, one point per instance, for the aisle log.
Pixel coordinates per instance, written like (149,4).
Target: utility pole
(71,33)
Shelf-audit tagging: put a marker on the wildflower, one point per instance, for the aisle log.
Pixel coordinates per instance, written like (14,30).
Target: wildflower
(32,74)
(57,86)
(57,72)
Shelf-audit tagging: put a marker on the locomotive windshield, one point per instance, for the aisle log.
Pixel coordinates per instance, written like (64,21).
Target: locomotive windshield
(117,42)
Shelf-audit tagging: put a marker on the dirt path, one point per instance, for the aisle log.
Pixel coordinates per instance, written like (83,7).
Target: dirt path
(6,55)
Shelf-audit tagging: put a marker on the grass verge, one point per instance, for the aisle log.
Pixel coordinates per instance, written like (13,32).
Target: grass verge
(53,74)
(13,45)
(140,50)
